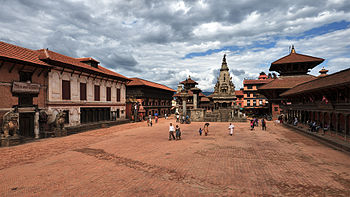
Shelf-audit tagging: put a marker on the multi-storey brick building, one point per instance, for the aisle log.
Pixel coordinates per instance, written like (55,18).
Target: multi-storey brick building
(148,98)
(240,98)
(23,85)
(34,80)
(254,102)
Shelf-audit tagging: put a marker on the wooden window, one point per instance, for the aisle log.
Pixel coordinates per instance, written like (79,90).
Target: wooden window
(97,93)
(118,94)
(65,90)
(108,93)
(83,91)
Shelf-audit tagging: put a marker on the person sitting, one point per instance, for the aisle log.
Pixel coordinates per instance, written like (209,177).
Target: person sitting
(325,128)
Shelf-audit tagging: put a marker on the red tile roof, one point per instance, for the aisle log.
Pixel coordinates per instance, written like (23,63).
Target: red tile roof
(14,52)
(57,57)
(287,82)
(204,99)
(256,81)
(332,80)
(142,82)
(239,92)
(188,81)
(297,58)
(86,59)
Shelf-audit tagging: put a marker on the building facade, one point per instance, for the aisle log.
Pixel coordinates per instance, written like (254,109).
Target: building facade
(254,102)
(325,100)
(293,70)
(23,85)
(148,98)
(84,90)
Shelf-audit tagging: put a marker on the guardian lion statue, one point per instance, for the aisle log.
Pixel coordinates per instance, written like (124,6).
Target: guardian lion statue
(55,120)
(10,123)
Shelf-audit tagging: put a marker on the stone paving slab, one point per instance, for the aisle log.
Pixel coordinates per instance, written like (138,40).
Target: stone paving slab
(136,160)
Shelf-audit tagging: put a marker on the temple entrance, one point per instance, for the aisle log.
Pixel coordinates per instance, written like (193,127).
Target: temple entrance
(26,124)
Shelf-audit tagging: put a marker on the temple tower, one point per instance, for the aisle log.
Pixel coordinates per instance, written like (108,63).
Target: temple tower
(224,90)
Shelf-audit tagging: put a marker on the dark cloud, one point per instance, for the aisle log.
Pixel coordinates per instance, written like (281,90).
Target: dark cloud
(119,61)
(237,72)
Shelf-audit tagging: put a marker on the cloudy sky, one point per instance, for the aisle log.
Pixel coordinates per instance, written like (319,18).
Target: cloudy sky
(165,41)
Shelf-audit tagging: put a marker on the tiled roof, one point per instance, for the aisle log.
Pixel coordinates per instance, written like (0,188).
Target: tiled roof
(14,52)
(256,81)
(190,93)
(332,80)
(142,82)
(239,92)
(188,81)
(204,99)
(297,58)
(57,57)
(86,59)
(287,82)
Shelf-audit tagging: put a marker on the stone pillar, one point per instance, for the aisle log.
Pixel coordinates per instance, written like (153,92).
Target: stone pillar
(346,126)
(36,124)
(195,97)
(184,106)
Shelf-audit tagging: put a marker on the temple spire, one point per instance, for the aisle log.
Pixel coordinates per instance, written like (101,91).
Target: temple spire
(293,50)
(224,64)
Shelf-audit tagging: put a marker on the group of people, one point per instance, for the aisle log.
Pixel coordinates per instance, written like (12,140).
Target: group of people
(205,128)
(176,130)
(255,122)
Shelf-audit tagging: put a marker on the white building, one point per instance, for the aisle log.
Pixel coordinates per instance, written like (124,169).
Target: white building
(86,91)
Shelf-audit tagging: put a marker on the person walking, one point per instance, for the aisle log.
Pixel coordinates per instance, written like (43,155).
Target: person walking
(206,129)
(251,125)
(263,124)
(200,131)
(178,132)
(231,127)
(177,117)
(171,131)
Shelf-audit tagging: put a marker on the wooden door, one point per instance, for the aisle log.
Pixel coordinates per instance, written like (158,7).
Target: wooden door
(26,124)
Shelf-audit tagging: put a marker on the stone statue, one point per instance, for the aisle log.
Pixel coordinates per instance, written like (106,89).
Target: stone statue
(10,123)
(55,120)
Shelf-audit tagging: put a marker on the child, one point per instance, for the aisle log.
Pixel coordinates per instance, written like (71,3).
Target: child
(178,133)
(200,131)
(231,127)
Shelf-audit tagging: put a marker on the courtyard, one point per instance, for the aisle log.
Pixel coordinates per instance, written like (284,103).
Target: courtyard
(136,160)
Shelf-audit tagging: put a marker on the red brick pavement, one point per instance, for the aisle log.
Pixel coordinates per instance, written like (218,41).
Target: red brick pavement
(136,160)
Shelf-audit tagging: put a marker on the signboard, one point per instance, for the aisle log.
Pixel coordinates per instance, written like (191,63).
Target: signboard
(25,88)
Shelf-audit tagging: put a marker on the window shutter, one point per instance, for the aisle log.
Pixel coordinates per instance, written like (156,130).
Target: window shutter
(118,94)
(97,93)
(65,90)
(108,89)
(83,91)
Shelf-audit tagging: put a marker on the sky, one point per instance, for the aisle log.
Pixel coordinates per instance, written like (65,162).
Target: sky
(167,41)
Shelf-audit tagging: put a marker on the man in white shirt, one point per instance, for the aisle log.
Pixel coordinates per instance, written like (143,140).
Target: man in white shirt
(171,131)
(231,127)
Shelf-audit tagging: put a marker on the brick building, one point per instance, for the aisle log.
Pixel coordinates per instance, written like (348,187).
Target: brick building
(86,91)
(240,98)
(23,85)
(293,70)
(147,98)
(325,100)
(32,80)
(254,102)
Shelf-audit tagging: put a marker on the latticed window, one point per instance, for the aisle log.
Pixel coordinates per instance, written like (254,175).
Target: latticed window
(97,93)
(65,90)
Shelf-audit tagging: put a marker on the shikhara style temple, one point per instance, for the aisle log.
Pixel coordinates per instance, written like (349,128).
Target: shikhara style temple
(293,70)
(218,107)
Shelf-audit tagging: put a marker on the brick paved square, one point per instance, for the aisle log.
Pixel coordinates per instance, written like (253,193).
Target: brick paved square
(136,160)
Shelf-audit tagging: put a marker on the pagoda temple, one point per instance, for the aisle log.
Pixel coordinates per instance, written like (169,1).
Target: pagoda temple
(292,70)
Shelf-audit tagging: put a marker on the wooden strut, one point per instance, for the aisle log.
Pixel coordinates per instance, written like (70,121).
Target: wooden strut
(35,69)
(1,64)
(72,73)
(21,68)
(89,76)
(10,70)
(42,70)
(80,73)
(62,71)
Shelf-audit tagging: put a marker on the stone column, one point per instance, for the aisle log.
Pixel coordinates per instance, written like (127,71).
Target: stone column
(195,96)
(184,106)
(36,125)
(346,126)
